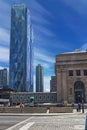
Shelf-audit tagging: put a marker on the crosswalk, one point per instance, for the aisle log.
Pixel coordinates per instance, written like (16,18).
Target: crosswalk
(27,126)
(73,121)
(24,125)
(79,127)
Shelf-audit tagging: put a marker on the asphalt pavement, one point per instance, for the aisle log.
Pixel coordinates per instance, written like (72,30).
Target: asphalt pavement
(46,121)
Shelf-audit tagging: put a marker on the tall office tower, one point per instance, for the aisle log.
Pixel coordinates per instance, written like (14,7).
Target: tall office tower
(4,75)
(21,53)
(39,78)
(53,84)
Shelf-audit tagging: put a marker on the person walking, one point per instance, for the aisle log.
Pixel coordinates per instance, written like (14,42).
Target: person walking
(79,107)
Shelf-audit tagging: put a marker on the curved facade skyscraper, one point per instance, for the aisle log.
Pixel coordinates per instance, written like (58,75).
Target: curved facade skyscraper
(21,52)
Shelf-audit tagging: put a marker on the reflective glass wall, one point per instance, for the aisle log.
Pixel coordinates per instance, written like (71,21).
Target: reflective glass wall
(20,50)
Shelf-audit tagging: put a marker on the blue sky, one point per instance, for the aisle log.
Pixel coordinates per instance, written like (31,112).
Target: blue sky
(58,26)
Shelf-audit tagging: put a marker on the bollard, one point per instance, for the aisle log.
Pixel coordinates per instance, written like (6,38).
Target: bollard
(86,122)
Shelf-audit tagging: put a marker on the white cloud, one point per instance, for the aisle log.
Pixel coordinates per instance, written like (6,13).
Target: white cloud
(44,64)
(79,6)
(4,5)
(47,83)
(4,14)
(47,90)
(44,30)
(4,23)
(34,83)
(4,36)
(83,47)
(38,8)
(4,54)
(39,55)
(40,17)
(1,67)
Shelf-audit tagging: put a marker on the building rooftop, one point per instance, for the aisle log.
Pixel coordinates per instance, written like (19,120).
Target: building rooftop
(76,51)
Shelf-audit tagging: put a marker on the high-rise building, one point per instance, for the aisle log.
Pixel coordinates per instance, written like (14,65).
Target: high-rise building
(21,53)
(39,78)
(53,84)
(4,76)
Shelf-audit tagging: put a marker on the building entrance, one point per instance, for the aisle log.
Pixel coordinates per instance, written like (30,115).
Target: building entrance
(79,92)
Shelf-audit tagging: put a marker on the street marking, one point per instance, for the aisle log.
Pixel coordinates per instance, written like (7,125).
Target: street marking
(27,126)
(79,127)
(20,123)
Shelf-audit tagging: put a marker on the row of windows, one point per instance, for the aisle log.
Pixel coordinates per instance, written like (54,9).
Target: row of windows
(78,72)
(40,97)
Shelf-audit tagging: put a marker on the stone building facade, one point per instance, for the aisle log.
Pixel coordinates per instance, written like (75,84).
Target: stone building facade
(39,97)
(71,73)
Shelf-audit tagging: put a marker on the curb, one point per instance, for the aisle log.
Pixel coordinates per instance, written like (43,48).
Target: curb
(37,114)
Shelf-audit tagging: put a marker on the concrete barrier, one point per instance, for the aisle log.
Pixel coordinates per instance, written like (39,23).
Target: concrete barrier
(61,110)
(36,109)
(23,110)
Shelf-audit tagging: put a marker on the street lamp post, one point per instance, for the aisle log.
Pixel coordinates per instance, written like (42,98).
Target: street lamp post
(82,103)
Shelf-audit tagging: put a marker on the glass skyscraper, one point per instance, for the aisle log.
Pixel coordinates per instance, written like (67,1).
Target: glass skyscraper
(4,78)
(21,53)
(39,78)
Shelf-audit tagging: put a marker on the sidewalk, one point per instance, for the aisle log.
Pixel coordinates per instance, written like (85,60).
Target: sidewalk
(75,111)
(44,114)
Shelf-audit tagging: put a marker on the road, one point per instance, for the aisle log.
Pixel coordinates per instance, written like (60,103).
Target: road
(75,121)
(61,122)
(8,121)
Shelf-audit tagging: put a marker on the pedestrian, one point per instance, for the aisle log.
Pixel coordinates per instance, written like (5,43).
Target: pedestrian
(79,107)
(21,107)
